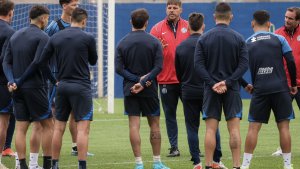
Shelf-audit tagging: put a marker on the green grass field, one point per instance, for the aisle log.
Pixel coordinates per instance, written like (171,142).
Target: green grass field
(109,142)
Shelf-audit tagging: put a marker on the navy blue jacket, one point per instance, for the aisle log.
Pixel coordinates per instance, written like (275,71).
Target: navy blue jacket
(23,47)
(266,51)
(191,84)
(6,31)
(138,54)
(221,54)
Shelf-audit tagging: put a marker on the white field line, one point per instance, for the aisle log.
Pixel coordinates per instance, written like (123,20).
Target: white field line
(132,162)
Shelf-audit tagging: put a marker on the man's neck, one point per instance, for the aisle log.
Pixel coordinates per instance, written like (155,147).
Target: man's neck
(134,29)
(66,18)
(175,21)
(5,18)
(76,25)
(261,29)
(196,32)
(36,24)
(291,30)
(222,22)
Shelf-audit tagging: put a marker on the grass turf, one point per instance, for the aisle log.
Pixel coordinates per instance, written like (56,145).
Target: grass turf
(109,142)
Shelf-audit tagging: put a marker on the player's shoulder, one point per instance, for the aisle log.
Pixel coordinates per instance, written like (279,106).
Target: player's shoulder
(52,28)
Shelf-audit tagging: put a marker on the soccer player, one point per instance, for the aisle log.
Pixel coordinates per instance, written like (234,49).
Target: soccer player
(291,32)
(171,32)
(30,100)
(221,59)
(192,90)
(74,50)
(6,31)
(139,60)
(55,26)
(271,91)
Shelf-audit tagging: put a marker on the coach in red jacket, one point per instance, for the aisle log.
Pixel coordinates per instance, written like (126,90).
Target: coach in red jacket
(171,32)
(291,32)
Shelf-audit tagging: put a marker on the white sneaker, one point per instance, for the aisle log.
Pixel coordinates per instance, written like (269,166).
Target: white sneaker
(18,167)
(245,167)
(35,167)
(291,167)
(278,152)
(2,166)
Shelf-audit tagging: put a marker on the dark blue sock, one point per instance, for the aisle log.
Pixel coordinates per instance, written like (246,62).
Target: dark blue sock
(23,164)
(55,164)
(81,164)
(10,132)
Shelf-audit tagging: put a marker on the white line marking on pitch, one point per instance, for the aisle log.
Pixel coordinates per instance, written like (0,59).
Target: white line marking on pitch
(132,162)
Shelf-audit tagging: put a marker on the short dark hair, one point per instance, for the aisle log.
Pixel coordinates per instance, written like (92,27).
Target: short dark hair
(223,11)
(79,15)
(139,17)
(5,7)
(38,10)
(196,21)
(261,17)
(296,10)
(61,2)
(174,2)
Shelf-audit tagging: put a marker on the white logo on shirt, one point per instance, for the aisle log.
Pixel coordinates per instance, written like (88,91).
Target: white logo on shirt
(258,38)
(298,38)
(253,39)
(163,33)
(183,30)
(265,70)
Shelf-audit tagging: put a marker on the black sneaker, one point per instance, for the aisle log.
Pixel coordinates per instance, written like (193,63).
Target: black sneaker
(174,152)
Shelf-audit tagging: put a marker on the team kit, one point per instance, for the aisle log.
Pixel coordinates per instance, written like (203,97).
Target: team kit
(45,82)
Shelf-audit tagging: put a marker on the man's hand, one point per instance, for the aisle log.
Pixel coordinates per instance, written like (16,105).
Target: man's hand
(148,83)
(11,86)
(293,90)
(220,87)
(249,88)
(135,89)
(163,42)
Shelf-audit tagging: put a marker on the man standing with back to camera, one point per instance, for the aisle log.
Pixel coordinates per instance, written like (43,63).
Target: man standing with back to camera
(68,6)
(30,99)
(291,32)
(192,91)
(6,107)
(171,32)
(74,50)
(221,59)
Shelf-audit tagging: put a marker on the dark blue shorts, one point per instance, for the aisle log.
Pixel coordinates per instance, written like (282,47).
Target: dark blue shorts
(31,104)
(6,105)
(51,94)
(213,103)
(76,98)
(261,106)
(145,106)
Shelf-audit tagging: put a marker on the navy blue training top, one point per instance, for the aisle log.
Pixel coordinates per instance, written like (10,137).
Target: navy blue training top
(138,54)
(53,28)
(266,51)
(6,31)
(191,84)
(24,46)
(221,54)
(73,50)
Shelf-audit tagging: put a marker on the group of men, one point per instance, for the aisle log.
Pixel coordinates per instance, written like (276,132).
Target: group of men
(205,71)
(25,57)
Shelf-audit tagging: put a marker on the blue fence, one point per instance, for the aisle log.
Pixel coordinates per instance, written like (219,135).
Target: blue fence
(241,22)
